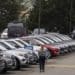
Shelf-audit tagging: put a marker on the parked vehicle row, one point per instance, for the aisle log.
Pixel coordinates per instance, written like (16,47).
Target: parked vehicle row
(19,52)
(55,43)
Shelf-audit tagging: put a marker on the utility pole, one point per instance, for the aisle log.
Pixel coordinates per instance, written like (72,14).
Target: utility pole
(70,17)
(39,17)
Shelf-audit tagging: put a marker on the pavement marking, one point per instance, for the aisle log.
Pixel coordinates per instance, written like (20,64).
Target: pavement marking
(61,66)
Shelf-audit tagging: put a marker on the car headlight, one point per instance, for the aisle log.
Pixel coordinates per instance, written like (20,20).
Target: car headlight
(25,55)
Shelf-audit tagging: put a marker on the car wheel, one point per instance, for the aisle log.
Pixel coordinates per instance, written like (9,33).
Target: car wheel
(48,54)
(35,58)
(5,67)
(16,64)
(69,49)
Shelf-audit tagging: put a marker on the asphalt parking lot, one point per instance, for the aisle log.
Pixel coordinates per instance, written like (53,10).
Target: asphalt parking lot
(61,65)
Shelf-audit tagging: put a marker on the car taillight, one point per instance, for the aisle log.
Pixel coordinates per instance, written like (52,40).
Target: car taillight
(56,49)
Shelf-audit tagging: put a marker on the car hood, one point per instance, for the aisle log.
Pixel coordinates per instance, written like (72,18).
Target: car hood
(14,52)
(51,46)
(23,50)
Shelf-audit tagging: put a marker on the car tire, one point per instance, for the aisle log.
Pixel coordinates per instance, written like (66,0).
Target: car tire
(4,71)
(16,64)
(35,59)
(69,49)
(5,68)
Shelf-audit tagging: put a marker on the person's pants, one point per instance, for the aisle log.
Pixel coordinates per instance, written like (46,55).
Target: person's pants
(42,66)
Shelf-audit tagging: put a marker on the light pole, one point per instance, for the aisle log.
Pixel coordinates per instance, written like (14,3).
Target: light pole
(39,17)
(26,27)
(70,17)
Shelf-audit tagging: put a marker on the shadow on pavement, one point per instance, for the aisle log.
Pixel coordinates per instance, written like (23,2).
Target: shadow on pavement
(7,73)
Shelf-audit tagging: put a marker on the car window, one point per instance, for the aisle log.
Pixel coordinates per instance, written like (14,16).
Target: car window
(14,44)
(51,38)
(55,39)
(41,40)
(50,41)
(63,37)
(4,45)
(27,41)
(21,42)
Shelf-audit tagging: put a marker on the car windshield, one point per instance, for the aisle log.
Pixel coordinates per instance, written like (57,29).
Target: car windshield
(49,40)
(14,44)
(45,40)
(23,42)
(4,45)
(65,38)
(41,40)
(55,39)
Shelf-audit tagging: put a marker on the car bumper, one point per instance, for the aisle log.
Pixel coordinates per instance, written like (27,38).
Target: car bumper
(63,50)
(31,60)
(23,62)
(55,53)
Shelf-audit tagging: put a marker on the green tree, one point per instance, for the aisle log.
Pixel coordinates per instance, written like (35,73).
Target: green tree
(8,12)
(54,13)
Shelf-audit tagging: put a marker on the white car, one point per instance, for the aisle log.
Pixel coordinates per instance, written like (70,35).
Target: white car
(21,58)
(4,34)
(6,61)
(16,47)
(37,31)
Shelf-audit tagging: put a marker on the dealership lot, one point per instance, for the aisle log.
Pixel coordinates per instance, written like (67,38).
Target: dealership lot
(22,52)
(63,65)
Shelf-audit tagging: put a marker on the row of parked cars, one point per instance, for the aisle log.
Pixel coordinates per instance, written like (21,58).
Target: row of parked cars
(19,52)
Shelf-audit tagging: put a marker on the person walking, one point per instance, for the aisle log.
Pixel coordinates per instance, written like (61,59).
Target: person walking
(42,59)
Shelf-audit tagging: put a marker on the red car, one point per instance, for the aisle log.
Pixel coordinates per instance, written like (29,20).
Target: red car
(52,50)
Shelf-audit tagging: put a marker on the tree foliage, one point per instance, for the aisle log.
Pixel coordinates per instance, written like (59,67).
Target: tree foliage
(8,12)
(54,13)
